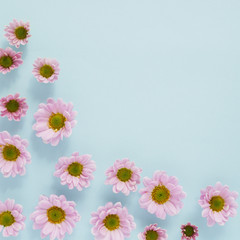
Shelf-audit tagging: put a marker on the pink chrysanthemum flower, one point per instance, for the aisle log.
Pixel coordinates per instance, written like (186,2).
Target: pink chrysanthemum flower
(13,107)
(13,155)
(55,216)
(9,60)
(124,176)
(46,70)
(17,33)
(54,121)
(112,222)
(189,232)
(11,218)
(153,232)
(162,195)
(75,171)
(218,204)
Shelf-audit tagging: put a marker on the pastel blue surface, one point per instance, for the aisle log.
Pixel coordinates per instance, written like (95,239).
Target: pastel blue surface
(154,81)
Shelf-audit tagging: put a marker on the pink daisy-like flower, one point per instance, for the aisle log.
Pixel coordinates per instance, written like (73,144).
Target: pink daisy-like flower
(124,176)
(13,155)
(153,232)
(55,216)
(54,121)
(13,107)
(75,171)
(17,33)
(218,204)
(162,195)
(112,222)
(189,232)
(11,218)
(9,60)
(46,70)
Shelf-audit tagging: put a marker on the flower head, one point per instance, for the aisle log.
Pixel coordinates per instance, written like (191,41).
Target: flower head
(218,204)
(13,155)
(124,176)
(153,232)
(112,222)
(55,216)
(13,107)
(17,33)
(54,121)
(11,218)
(75,171)
(46,70)
(9,60)
(189,232)
(162,195)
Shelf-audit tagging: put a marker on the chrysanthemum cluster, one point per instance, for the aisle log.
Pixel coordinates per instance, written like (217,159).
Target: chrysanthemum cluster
(162,195)
(13,155)
(124,176)
(46,70)
(75,171)
(153,232)
(13,107)
(9,60)
(189,232)
(112,221)
(55,216)
(218,204)
(17,33)
(54,121)
(11,218)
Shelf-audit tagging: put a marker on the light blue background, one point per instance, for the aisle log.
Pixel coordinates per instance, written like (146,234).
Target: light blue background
(154,81)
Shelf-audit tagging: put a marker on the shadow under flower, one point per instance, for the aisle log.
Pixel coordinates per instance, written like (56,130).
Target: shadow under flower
(41,91)
(107,195)
(70,194)
(10,183)
(8,80)
(5,44)
(46,151)
(11,126)
(24,50)
(34,233)
(145,218)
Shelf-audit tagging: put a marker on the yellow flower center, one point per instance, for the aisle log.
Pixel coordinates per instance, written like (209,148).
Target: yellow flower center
(56,121)
(6,61)
(151,235)
(112,222)
(12,106)
(56,215)
(217,203)
(124,174)
(75,169)
(10,153)
(46,71)
(21,33)
(6,219)
(160,194)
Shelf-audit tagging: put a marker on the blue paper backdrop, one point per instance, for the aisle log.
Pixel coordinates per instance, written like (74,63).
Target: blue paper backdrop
(154,81)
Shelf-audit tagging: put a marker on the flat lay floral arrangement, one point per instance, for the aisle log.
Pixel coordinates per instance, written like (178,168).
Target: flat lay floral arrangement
(56,216)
